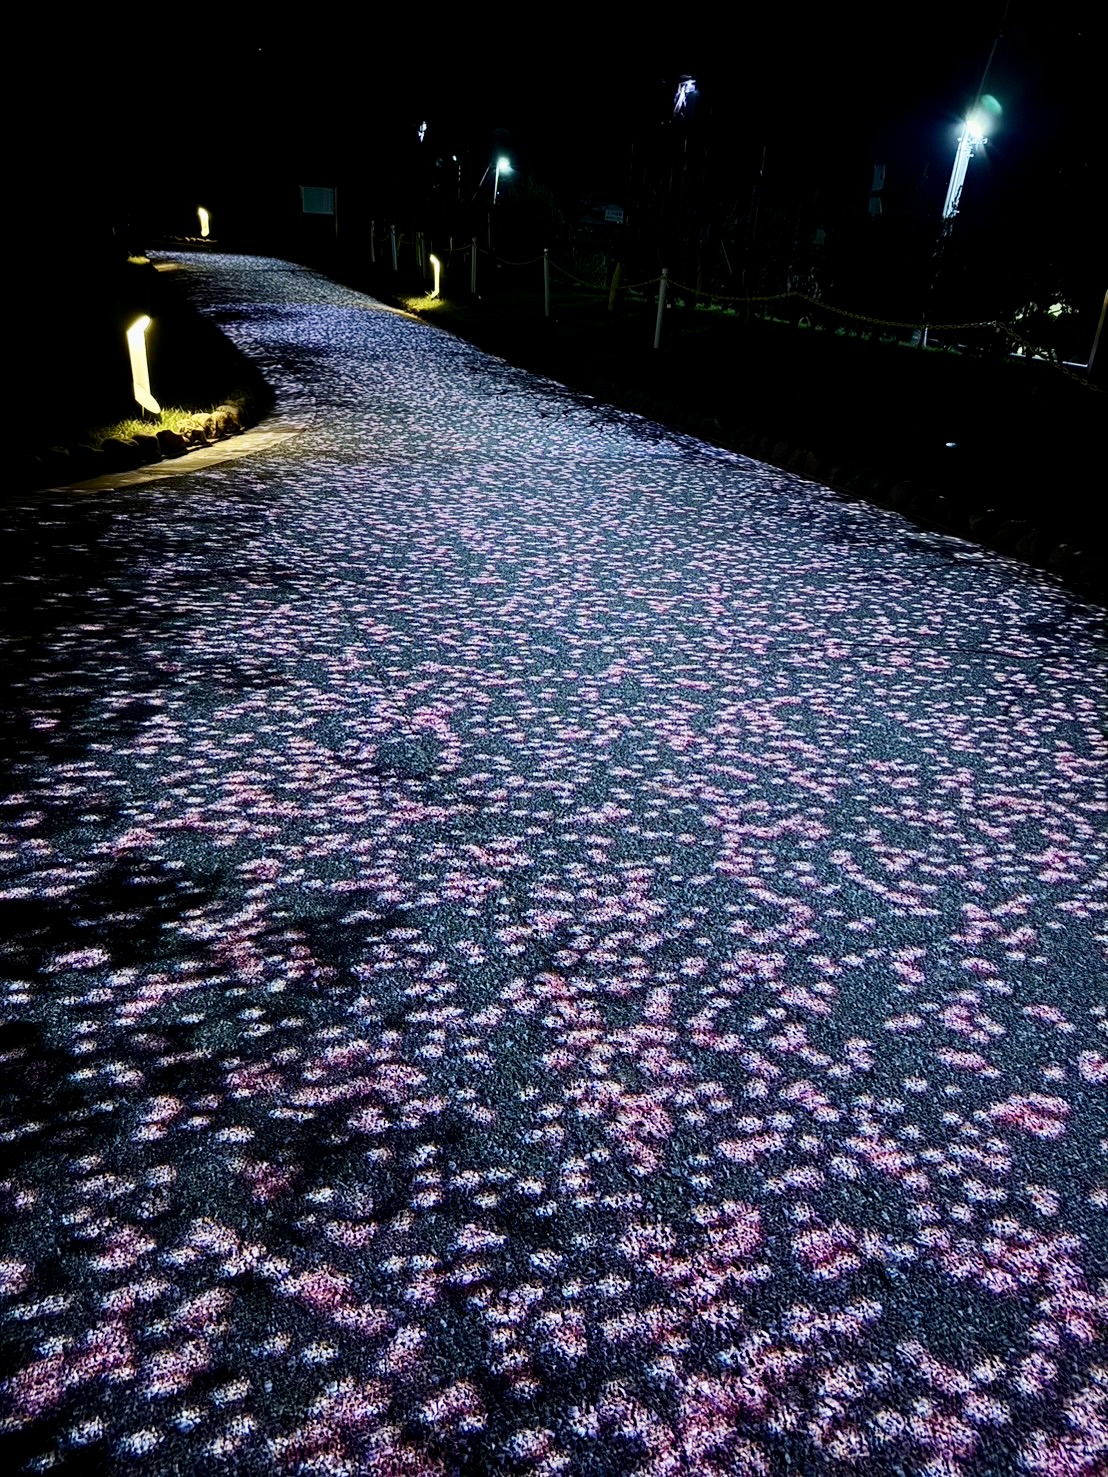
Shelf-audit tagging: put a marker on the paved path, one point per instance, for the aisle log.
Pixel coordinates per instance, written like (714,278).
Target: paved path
(537,945)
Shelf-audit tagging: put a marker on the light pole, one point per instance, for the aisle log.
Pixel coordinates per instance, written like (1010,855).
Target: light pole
(503,166)
(973,134)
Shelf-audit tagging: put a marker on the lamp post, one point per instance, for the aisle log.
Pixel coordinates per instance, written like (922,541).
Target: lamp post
(503,166)
(973,134)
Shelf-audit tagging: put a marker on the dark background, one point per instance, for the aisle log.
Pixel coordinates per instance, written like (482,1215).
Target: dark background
(129,119)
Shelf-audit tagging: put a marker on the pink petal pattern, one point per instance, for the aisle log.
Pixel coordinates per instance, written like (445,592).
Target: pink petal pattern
(535,944)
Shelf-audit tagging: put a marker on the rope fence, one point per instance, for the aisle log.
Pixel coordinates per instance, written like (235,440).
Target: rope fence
(664,284)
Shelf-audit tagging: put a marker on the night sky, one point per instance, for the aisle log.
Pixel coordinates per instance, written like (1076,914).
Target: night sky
(224,106)
(214,93)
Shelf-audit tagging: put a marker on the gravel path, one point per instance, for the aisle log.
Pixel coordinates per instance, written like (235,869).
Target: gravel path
(535,944)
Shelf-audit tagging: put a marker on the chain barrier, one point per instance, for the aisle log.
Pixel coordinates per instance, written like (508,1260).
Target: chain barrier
(554,267)
(593,287)
(504,262)
(1032,350)
(830,308)
(1037,353)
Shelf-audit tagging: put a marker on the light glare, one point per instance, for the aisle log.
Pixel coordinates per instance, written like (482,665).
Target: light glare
(686,90)
(503,166)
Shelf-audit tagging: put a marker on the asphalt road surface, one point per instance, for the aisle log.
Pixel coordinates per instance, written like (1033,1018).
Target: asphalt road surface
(534,944)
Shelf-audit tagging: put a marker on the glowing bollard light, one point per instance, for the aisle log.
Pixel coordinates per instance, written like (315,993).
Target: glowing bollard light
(436,267)
(205,222)
(140,369)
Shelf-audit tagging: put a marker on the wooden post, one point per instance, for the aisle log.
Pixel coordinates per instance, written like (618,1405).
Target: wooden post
(613,291)
(1097,337)
(661,307)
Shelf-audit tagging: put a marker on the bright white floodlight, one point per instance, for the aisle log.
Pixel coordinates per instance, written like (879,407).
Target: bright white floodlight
(503,166)
(974,133)
(968,140)
(686,91)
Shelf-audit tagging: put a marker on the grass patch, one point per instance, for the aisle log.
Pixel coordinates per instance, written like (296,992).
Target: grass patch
(195,370)
(427,303)
(171,419)
(243,403)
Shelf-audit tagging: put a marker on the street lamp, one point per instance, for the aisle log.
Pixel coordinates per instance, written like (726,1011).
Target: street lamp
(686,91)
(503,166)
(974,133)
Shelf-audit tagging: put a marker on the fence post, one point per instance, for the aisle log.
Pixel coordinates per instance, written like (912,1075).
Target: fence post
(392,237)
(546,280)
(1092,370)
(613,291)
(473,266)
(661,307)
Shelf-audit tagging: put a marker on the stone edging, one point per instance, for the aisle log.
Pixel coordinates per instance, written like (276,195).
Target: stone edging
(64,465)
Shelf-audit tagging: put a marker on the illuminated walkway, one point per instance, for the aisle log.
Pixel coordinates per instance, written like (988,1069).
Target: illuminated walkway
(538,945)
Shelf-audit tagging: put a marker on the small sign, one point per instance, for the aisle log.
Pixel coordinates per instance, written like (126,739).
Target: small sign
(614,214)
(317,200)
